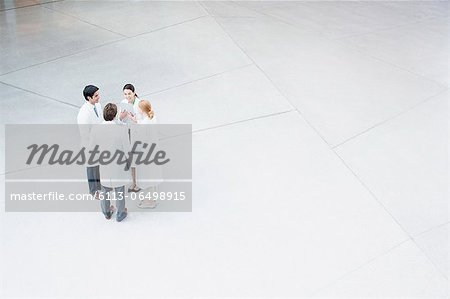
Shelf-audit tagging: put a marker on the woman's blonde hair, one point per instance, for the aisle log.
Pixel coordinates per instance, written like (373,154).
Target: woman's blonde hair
(146,108)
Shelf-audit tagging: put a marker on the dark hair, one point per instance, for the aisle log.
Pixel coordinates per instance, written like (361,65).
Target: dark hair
(110,111)
(130,87)
(89,91)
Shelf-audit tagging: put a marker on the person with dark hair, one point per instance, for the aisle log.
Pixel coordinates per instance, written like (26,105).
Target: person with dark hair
(130,97)
(90,114)
(131,105)
(109,136)
(110,112)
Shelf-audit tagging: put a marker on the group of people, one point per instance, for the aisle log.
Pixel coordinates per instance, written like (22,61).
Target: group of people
(111,127)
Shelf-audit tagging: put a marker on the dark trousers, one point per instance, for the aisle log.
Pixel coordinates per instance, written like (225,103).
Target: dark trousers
(93,176)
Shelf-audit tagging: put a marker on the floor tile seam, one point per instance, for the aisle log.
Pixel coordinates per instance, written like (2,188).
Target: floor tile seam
(443,89)
(31,5)
(343,38)
(95,47)
(357,49)
(430,260)
(64,56)
(391,118)
(372,194)
(435,227)
(40,95)
(84,21)
(273,83)
(196,80)
(359,267)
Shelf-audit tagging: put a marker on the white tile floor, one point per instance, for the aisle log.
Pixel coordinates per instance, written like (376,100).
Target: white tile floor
(320,147)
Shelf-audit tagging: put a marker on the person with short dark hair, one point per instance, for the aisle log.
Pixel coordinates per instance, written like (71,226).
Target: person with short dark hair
(90,113)
(112,137)
(110,112)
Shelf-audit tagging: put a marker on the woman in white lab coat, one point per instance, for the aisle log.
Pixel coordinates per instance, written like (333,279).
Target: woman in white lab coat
(130,105)
(131,99)
(145,132)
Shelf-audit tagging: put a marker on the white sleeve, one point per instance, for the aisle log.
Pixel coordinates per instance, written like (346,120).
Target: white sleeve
(82,117)
(83,127)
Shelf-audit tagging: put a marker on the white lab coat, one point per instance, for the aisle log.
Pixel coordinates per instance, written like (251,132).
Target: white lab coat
(147,175)
(132,108)
(111,137)
(86,118)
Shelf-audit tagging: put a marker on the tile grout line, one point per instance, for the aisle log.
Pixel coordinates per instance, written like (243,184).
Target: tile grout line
(194,131)
(392,117)
(354,174)
(361,52)
(277,18)
(414,239)
(340,278)
(444,88)
(31,5)
(230,124)
(376,3)
(418,235)
(400,25)
(99,46)
(40,95)
(371,193)
(386,120)
(271,81)
(144,95)
(435,266)
(242,121)
(196,80)
(386,29)
(322,37)
(204,8)
(62,57)
(84,21)
(410,237)
(433,263)
(168,26)
(329,146)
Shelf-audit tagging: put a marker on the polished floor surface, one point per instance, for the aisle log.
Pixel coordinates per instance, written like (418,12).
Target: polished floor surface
(320,147)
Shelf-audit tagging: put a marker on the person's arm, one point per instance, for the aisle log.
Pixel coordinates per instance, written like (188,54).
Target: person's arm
(123,115)
(82,117)
(132,117)
(119,119)
(83,127)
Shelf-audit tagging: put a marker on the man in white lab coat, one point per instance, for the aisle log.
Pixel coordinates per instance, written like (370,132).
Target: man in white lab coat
(90,113)
(112,141)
